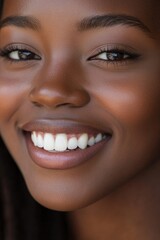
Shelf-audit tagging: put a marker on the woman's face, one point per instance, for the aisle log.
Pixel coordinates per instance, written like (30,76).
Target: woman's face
(80,79)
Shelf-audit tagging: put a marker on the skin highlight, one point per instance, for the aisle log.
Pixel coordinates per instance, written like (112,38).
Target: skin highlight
(116,192)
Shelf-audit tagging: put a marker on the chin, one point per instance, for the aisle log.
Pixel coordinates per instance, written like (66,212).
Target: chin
(61,204)
(70,198)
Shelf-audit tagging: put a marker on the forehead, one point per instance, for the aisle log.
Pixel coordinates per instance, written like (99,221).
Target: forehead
(136,6)
(146,10)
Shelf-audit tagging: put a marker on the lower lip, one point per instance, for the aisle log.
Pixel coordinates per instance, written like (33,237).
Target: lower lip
(62,160)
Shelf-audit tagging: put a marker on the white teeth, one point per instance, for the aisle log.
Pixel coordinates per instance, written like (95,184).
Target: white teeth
(83,141)
(40,141)
(61,142)
(91,141)
(72,143)
(34,138)
(98,138)
(48,142)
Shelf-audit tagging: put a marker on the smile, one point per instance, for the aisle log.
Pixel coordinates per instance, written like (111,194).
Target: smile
(64,142)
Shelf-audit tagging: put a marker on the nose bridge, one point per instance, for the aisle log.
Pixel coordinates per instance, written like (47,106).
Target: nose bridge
(59,84)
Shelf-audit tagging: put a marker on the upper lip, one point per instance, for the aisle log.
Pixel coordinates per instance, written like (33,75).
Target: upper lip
(63,126)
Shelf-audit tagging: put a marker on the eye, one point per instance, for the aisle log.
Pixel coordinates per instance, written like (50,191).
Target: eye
(112,56)
(19,53)
(22,55)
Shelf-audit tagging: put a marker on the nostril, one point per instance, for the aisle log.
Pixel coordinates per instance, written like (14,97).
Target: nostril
(36,104)
(51,95)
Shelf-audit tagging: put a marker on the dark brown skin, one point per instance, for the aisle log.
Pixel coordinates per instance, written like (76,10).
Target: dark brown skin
(117,192)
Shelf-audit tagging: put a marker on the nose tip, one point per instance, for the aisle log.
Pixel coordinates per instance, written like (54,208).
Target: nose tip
(57,96)
(61,83)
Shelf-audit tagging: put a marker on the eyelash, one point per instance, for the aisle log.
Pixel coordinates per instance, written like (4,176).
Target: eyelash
(117,55)
(4,53)
(114,52)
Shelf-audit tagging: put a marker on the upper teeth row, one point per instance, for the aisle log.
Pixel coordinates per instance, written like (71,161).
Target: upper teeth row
(61,142)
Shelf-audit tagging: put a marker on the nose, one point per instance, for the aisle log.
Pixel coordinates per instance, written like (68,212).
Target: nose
(58,90)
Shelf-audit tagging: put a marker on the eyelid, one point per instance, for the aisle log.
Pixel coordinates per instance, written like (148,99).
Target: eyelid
(19,46)
(112,46)
(97,56)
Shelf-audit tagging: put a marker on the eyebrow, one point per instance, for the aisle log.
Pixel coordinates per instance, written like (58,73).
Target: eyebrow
(88,23)
(21,21)
(109,20)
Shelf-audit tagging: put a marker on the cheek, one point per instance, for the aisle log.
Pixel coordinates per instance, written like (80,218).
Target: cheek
(132,107)
(131,99)
(14,90)
(132,103)
(11,98)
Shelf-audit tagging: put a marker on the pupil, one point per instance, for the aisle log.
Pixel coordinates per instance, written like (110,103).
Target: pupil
(25,55)
(115,56)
